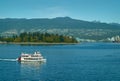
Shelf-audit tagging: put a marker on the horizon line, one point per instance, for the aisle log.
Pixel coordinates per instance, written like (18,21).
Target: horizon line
(97,21)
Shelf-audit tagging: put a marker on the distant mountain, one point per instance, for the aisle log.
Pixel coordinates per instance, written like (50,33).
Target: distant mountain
(60,25)
(58,22)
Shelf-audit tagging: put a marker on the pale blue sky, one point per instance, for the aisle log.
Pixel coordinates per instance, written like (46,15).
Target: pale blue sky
(90,10)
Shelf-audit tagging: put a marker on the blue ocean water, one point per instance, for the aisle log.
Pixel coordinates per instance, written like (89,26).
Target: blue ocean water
(80,62)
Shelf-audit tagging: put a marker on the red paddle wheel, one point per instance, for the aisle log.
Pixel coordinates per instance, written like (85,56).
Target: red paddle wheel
(19,59)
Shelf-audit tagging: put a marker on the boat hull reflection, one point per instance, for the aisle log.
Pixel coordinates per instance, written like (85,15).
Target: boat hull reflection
(33,69)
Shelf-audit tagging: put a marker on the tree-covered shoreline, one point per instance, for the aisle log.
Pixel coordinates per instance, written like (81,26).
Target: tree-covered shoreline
(39,38)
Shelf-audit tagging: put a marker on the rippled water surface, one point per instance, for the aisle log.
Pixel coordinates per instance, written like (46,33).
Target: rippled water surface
(81,62)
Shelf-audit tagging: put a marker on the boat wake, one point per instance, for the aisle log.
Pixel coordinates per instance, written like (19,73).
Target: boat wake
(8,60)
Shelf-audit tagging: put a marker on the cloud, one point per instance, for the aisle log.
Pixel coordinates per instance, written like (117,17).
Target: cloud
(56,11)
(48,12)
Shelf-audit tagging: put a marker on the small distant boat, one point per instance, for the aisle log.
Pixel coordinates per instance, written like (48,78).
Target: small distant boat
(36,57)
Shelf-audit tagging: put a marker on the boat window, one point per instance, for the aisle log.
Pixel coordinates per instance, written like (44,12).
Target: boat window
(31,58)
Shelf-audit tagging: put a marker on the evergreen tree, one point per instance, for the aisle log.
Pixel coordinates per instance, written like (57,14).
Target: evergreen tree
(38,37)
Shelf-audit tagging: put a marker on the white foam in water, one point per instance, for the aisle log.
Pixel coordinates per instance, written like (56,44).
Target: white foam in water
(7,59)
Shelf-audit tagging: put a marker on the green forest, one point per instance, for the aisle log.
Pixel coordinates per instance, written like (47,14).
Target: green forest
(38,37)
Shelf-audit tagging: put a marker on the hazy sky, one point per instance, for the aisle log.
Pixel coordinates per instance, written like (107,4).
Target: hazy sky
(90,10)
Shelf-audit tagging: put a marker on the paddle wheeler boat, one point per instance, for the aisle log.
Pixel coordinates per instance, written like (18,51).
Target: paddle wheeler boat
(36,57)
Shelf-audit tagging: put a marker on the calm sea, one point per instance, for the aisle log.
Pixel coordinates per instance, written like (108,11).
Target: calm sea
(81,62)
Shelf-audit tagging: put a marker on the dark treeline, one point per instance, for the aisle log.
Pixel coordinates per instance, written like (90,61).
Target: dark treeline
(38,37)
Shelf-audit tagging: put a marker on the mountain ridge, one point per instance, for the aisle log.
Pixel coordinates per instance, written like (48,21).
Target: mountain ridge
(58,22)
(60,25)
